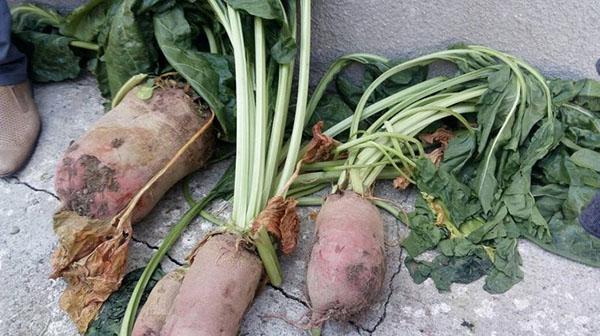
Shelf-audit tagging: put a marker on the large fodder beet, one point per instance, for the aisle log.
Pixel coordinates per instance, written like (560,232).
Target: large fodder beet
(112,177)
(101,172)
(347,262)
(217,289)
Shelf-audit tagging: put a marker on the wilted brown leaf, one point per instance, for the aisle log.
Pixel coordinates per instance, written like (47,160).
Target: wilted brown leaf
(289,227)
(91,258)
(436,156)
(441,136)
(401,183)
(280,219)
(320,147)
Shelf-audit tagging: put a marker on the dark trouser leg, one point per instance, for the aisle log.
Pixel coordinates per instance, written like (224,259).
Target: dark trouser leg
(590,216)
(13,64)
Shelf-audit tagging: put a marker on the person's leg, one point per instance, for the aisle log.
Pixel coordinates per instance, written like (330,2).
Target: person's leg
(19,119)
(590,216)
(13,64)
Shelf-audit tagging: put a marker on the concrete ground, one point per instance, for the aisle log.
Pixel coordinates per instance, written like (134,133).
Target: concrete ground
(557,297)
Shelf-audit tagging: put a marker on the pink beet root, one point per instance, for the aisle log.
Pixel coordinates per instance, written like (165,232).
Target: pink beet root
(102,171)
(347,263)
(216,291)
(153,314)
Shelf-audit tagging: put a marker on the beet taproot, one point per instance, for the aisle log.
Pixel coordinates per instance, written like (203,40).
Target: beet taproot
(153,314)
(217,289)
(347,262)
(112,177)
(101,172)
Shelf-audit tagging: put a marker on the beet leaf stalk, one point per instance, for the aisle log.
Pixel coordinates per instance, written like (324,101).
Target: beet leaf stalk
(260,127)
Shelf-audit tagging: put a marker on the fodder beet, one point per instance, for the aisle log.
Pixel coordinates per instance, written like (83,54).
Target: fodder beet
(347,262)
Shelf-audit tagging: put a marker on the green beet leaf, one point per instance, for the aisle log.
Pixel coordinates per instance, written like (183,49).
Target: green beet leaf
(424,234)
(507,271)
(458,199)
(209,74)
(86,22)
(587,158)
(266,9)
(51,57)
(460,150)
(128,50)
(571,241)
(331,109)
(444,271)
(31,17)
(108,322)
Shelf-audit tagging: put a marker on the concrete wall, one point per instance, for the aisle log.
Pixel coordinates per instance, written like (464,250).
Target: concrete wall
(560,37)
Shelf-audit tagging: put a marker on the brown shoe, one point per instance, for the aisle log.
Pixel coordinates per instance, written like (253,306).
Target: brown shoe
(19,126)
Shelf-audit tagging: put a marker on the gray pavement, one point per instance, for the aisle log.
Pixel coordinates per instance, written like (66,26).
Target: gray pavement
(557,297)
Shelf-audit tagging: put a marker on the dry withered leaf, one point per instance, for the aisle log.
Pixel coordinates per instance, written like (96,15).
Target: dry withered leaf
(91,258)
(401,183)
(436,156)
(441,136)
(280,219)
(440,215)
(289,227)
(270,217)
(320,147)
(93,277)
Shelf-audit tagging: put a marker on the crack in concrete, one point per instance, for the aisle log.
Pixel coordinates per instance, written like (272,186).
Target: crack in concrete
(17,181)
(387,301)
(152,247)
(370,331)
(289,296)
(359,329)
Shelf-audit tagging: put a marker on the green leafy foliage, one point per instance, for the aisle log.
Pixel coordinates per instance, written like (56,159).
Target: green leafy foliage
(50,55)
(496,110)
(86,22)
(266,9)
(459,151)
(32,17)
(587,158)
(424,233)
(447,217)
(527,174)
(284,50)
(210,75)
(444,271)
(350,89)
(108,322)
(562,189)
(457,198)
(114,36)
(331,110)
(128,51)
